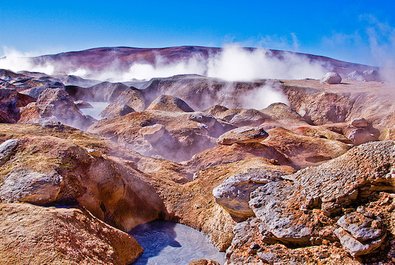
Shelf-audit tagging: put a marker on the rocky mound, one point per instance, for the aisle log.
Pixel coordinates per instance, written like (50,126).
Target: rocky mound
(54,105)
(342,206)
(11,103)
(242,135)
(174,135)
(169,103)
(68,172)
(59,235)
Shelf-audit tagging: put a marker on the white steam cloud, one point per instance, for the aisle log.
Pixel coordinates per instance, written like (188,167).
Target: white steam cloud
(234,63)
(382,46)
(238,64)
(261,97)
(144,71)
(18,61)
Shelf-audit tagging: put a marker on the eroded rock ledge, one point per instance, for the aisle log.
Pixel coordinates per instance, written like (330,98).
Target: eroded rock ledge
(344,207)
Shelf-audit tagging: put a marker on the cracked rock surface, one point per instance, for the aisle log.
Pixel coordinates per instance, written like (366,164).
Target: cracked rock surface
(345,204)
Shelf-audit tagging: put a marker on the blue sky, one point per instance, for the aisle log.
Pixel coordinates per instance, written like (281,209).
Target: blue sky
(339,29)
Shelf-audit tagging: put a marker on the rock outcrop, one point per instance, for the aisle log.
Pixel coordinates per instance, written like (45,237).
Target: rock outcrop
(320,206)
(360,131)
(127,101)
(114,110)
(282,112)
(116,185)
(66,172)
(242,135)
(169,103)
(38,235)
(304,150)
(359,233)
(7,149)
(56,105)
(320,107)
(26,186)
(172,135)
(11,103)
(234,193)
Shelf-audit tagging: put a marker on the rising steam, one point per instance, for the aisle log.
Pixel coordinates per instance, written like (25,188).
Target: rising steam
(234,63)
(18,61)
(161,68)
(238,64)
(261,97)
(382,46)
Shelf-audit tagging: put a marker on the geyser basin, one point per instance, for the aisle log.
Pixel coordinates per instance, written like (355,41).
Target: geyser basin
(172,243)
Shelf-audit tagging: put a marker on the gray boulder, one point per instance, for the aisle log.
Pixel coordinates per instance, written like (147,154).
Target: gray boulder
(234,193)
(331,78)
(7,149)
(360,234)
(33,187)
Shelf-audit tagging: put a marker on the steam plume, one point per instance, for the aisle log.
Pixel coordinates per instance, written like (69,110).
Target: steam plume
(234,63)
(17,61)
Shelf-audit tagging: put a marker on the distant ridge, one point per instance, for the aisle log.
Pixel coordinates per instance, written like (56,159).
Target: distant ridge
(97,59)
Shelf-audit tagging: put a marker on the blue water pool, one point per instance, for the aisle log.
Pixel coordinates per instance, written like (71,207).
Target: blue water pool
(172,243)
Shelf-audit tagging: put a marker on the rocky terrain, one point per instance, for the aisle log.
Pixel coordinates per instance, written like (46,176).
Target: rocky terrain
(308,180)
